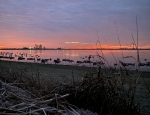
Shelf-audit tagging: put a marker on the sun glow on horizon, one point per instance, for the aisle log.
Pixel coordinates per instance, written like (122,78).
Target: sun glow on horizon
(72,42)
(66,45)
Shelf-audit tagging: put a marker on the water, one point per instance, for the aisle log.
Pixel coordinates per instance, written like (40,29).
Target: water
(112,56)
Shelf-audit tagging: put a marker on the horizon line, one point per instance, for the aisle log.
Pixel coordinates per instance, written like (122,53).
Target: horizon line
(74,49)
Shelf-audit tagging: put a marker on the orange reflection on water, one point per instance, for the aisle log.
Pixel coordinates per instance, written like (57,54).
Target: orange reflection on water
(72,55)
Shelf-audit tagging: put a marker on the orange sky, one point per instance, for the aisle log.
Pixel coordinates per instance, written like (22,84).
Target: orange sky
(73,24)
(66,45)
(18,41)
(72,39)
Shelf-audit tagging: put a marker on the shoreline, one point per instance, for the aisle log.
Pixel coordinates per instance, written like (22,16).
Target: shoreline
(70,49)
(143,69)
(48,64)
(59,72)
(71,68)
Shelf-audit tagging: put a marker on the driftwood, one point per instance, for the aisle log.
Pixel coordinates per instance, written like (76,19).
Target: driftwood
(15,100)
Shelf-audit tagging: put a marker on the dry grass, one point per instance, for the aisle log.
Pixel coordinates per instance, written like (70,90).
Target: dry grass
(23,94)
(106,91)
(106,94)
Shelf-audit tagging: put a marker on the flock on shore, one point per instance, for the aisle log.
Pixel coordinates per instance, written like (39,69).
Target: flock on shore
(36,58)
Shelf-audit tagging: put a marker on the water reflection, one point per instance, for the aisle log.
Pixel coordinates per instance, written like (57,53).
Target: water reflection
(112,57)
(37,52)
(30,51)
(72,55)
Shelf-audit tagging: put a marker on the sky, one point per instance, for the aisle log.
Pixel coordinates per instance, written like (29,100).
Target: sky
(74,23)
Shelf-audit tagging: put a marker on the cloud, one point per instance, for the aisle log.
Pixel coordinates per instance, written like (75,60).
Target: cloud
(72,42)
(74,19)
(86,43)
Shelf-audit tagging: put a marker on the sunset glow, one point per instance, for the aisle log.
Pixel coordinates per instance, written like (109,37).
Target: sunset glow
(73,24)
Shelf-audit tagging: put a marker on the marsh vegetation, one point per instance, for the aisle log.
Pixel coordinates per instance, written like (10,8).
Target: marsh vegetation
(29,89)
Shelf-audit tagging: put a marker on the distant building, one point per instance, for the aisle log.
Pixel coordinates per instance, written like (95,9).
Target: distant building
(38,46)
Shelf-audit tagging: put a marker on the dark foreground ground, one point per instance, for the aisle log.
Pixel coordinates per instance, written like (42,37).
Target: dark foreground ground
(60,73)
(57,72)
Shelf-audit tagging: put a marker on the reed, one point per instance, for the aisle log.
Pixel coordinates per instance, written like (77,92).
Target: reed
(118,37)
(105,92)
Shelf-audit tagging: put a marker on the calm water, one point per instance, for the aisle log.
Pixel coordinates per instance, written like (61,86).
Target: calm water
(81,55)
